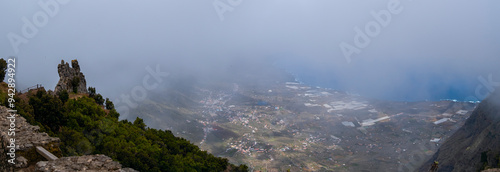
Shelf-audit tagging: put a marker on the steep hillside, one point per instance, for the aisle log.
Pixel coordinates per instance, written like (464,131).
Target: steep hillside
(476,145)
(88,125)
(176,104)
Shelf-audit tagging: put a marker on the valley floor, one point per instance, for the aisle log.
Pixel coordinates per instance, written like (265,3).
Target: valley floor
(297,127)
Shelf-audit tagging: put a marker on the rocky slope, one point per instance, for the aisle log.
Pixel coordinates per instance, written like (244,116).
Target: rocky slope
(26,138)
(25,157)
(475,146)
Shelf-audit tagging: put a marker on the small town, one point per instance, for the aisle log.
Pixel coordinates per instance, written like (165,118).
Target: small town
(315,128)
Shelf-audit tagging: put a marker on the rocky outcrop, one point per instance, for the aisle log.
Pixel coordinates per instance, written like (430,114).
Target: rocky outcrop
(476,144)
(68,75)
(26,138)
(82,163)
(26,158)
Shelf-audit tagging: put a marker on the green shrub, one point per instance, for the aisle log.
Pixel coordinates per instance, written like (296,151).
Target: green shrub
(84,128)
(75,82)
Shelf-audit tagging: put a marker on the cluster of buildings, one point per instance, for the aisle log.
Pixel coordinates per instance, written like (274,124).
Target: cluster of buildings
(325,124)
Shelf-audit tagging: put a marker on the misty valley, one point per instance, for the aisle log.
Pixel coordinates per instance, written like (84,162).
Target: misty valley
(274,123)
(250,86)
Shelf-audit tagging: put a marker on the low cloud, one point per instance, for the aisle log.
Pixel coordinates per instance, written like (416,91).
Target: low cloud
(430,50)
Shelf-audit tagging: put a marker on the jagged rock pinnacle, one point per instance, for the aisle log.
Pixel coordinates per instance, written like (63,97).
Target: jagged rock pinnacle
(67,75)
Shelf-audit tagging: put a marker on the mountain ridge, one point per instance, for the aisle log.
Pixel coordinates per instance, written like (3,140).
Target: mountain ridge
(475,145)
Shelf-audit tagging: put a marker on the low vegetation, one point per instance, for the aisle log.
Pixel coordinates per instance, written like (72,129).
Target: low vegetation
(90,125)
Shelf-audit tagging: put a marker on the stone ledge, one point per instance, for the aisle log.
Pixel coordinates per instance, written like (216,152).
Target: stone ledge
(82,163)
(27,136)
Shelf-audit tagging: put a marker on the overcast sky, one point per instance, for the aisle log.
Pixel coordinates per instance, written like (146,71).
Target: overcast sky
(426,47)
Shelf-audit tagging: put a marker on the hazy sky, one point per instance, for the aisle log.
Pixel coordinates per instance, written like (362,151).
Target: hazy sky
(427,47)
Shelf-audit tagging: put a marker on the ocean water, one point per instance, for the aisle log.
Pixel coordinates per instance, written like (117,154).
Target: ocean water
(436,92)
(416,86)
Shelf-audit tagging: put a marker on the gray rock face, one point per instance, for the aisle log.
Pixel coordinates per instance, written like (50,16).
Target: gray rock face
(82,163)
(67,74)
(27,137)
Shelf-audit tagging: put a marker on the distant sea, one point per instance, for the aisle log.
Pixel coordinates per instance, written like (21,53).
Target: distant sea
(435,93)
(458,89)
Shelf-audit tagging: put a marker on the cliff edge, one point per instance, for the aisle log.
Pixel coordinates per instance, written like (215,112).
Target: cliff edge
(18,150)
